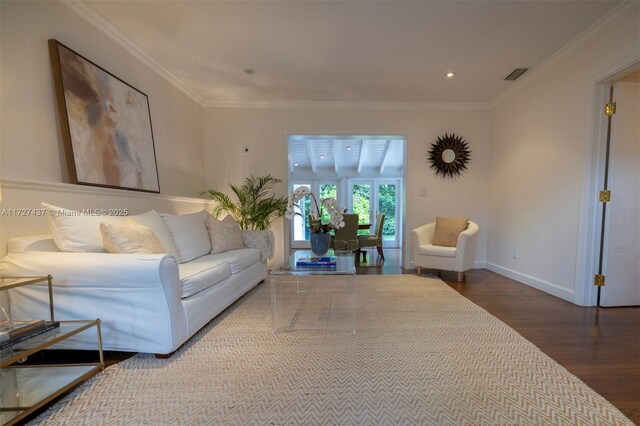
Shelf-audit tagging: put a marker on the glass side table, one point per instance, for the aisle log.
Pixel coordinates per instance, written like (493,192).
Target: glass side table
(24,388)
(314,298)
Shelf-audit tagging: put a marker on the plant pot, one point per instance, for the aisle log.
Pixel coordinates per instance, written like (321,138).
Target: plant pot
(320,243)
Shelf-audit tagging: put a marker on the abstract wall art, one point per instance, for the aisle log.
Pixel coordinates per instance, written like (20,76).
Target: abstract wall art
(105,124)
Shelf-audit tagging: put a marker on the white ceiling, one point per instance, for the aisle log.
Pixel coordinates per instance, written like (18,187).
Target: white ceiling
(352,156)
(348,51)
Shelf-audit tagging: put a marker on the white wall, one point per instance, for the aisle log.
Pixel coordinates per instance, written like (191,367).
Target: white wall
(543,152)
(31,151)
(265,131)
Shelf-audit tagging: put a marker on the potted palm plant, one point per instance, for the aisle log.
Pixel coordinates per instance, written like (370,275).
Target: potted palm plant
(256,206)
(255,209)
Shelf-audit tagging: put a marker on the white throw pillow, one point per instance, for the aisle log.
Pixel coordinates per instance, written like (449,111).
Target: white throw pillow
(75,232)
(130,238)
(225,234)
(189,234)
(153,221)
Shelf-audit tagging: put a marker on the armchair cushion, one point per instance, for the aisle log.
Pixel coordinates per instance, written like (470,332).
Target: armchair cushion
(448,229)
(431,250)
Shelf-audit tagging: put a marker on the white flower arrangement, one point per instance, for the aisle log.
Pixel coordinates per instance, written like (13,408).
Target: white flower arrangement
(316,226)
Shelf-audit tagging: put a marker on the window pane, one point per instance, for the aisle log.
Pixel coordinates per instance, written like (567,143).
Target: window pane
(301,223)
(327,190)
(362,204)
(387,205)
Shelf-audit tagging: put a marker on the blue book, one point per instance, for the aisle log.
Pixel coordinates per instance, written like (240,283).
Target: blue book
(316,261)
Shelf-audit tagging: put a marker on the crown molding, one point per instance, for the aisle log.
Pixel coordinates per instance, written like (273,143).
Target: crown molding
(87,13)
(613,16)
(408,106)
(82,9)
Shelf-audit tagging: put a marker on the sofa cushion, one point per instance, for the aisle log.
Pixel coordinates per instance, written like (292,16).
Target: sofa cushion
(448,229)
(238,260)
(130,238)
(200,274)
(431,250)
(74,231)
(153,221)
(190,235)
(224,234)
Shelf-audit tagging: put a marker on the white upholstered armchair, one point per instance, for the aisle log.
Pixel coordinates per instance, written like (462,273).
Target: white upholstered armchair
(458,259)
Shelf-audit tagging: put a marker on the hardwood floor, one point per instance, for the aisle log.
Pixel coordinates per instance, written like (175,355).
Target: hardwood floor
(601,346)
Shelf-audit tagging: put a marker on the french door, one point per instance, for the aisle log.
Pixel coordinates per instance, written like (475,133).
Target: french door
(369,197)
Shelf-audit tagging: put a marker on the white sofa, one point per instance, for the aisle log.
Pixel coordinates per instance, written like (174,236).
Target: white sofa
(147,302)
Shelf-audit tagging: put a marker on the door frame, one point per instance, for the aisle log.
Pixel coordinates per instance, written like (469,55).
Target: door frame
(590,215)
(287,246)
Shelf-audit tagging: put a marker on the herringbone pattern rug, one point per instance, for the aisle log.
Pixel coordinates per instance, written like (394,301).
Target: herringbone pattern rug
(423,355)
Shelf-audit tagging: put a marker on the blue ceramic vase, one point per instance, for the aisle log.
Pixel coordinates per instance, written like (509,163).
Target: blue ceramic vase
(320,243)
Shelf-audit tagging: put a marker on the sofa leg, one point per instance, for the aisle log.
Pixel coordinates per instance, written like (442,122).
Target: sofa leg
(164,356)
(461,277)
(419,270)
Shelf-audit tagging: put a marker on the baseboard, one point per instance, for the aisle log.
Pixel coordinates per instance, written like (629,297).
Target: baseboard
(479,264)
(547,287)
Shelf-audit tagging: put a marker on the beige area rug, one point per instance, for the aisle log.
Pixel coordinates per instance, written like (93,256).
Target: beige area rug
(423,354)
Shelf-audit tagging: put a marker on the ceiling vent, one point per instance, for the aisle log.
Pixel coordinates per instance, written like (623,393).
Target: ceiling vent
(515,74)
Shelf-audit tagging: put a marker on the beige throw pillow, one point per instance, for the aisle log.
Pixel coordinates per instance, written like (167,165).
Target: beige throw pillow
(448,229)
(130,238)
(225,234)
(154,222)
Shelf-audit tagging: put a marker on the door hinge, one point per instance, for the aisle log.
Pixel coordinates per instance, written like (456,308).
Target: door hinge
(610,109)
(598,280)
(605,196)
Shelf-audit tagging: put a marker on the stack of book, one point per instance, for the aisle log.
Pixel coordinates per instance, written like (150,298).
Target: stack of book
(13,332)
(317,262)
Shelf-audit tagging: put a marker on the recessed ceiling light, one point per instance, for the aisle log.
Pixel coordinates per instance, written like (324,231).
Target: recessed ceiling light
(249,71)
(322,157)
(349,148)
(450,74)
(295,164)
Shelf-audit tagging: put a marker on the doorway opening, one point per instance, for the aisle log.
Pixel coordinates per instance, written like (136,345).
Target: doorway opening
(365,174)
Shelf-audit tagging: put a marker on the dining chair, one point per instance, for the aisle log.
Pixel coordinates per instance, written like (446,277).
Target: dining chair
(373,240)
(346,238)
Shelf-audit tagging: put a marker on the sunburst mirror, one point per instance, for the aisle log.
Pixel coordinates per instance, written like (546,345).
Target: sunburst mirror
(449,156)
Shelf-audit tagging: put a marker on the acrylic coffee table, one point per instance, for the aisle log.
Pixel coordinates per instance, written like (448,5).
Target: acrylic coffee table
(317,299)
